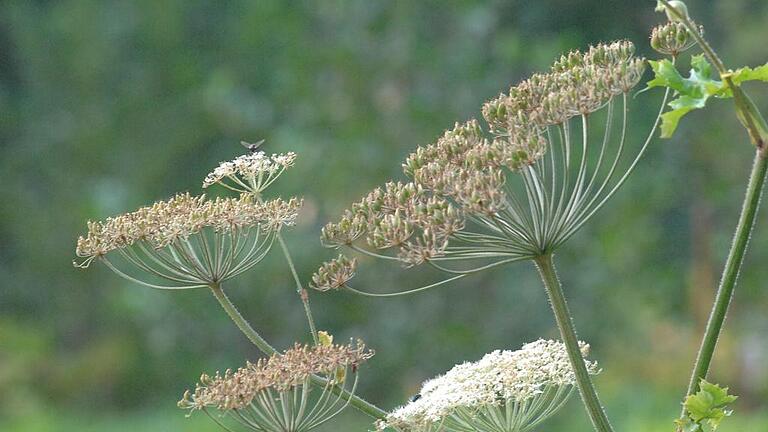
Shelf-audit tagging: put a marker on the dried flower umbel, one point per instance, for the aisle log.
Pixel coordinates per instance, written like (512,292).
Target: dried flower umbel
(334,274)
(187,241)
(518,192)
(479,199)
(505,391)
(276,394)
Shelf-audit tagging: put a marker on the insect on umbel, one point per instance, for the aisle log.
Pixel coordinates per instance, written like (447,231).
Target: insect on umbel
(253,148)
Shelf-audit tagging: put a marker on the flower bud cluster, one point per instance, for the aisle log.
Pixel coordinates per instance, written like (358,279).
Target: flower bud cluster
(672,38)
(280,372)
(334,274)
(184,215)
(399,215)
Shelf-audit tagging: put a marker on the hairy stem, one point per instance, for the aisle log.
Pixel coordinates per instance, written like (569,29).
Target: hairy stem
(241,322)
(299,288)
(568,333)
(731,272)
(361,404)
(756,127)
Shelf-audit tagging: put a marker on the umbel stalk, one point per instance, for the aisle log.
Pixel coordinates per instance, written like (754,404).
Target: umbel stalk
(361,404)
(568,333)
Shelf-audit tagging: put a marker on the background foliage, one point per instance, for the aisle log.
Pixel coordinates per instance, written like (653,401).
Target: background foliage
(108,105)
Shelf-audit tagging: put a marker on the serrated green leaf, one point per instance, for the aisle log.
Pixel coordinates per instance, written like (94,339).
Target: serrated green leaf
(707,406)
(698,406)
(745,74)
(720,396)
(665,75)
(700,64)
(692,92)
(670,120)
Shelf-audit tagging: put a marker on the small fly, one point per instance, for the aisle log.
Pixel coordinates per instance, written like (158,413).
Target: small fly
(253,148)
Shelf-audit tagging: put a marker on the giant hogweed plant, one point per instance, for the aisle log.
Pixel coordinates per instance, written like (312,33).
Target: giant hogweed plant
(550,153)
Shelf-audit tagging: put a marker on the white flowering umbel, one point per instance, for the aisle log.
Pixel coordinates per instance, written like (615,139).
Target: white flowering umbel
(187,241)
(505,391)
(253,172)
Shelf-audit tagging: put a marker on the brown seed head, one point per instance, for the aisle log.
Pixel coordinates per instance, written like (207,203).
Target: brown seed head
(280,372)
(184,215)
(334,274)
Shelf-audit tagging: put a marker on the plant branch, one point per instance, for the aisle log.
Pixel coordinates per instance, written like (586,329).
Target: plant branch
(361,404)
(299,288)
(568,333)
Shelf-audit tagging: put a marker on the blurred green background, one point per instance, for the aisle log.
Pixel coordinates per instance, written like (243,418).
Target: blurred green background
(109,105)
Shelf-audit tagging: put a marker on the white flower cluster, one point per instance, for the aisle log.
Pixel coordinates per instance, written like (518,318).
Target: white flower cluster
(500,377)
(251,171)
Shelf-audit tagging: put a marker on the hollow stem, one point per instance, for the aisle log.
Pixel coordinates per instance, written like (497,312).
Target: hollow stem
(731,272)
(359,403)
(568,333)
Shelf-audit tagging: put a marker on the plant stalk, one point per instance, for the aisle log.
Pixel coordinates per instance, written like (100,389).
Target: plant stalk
(568,333)
(731,272)
(361,404)
(303,294)
(753,121)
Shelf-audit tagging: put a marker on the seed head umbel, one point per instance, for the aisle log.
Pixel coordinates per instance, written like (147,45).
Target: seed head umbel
(672,38)
(334,274)
(518,188)
(188,240)
(276,394)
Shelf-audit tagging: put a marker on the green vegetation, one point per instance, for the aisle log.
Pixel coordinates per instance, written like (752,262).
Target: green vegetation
(105,106)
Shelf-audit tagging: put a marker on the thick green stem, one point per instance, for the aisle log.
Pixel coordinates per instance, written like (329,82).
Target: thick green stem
(731,271)
(361,404)
(241,322)
(299,288)
(568,333)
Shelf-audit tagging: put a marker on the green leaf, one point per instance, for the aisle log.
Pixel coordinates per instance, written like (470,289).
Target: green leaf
(744,74)
(687,425)
(692,92)
(720,396)
(708,406)
(666,75)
